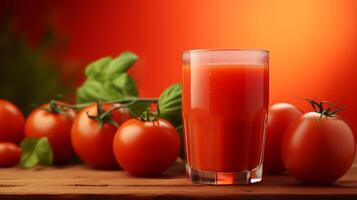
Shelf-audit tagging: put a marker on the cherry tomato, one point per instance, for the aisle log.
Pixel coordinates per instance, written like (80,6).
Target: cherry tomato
(94,143)
(9,154)
(279,118)
(318,150)
(145,148)
(11,123)
(56,127)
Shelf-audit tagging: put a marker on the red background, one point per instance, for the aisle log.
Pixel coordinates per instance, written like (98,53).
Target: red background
(312,43)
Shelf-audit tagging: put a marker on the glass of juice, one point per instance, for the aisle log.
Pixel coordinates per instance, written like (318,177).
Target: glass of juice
(224,106)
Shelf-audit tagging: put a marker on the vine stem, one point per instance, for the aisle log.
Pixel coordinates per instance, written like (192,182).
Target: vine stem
(148,113)
(122,101)
(108,112)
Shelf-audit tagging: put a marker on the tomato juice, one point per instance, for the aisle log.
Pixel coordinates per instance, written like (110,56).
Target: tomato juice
(225,110)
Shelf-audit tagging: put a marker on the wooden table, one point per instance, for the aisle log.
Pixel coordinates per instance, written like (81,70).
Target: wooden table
(82,182)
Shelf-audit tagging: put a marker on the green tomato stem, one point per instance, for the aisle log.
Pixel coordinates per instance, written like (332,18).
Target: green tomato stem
(324,108)
(122,101)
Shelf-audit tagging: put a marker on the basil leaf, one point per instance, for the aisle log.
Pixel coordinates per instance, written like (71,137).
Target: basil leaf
(95,69)
(90,91)
(107,79)
(170,104)
(182,142)
(111,91)
(35,151)
(126,84)
(120,64)
(139,108)
(81,96)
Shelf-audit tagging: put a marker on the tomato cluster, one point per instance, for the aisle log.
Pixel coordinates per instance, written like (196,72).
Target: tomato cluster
(316,147)
(103,135)
(11,133)
(92,141)
(55,124)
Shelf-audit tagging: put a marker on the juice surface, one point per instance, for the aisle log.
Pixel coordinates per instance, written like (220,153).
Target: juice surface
(224,110)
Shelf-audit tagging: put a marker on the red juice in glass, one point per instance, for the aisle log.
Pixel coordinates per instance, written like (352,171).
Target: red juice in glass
(224,105)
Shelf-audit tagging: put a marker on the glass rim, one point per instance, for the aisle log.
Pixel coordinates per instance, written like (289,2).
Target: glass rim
(225,50)
(226,56)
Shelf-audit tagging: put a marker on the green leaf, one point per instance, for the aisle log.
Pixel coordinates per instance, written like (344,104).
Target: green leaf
(126,84)
(170,104)
(182,142)
(95,69)
(81,96)
(111,91)
(91,91)
(35,151)
(107,80)
(139,108)
(120,64)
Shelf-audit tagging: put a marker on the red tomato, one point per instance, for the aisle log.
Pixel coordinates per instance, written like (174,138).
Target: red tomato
(279,118)
(145,148)
(9,154)
(11,123)
(94,143)
(318,150)
(56,127)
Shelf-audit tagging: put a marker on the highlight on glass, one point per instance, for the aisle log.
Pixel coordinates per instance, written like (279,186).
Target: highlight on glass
(224,105)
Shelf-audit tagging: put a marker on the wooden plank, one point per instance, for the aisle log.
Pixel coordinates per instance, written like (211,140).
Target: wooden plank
(82,182)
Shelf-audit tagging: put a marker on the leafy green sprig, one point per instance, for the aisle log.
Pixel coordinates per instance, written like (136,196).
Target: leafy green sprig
(108,82)
(107,79)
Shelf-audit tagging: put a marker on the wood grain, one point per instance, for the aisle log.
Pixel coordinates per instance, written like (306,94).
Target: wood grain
(81,182)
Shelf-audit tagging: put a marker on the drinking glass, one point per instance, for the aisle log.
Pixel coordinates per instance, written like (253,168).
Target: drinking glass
(224,106)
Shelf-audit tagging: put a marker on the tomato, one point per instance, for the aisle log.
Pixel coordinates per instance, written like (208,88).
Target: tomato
(318,149)
(279,118)
(56,127)
(145,148)
(94,143)
(9,154)
(11,123)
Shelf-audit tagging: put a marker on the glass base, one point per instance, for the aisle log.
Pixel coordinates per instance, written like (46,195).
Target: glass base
(225,178)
